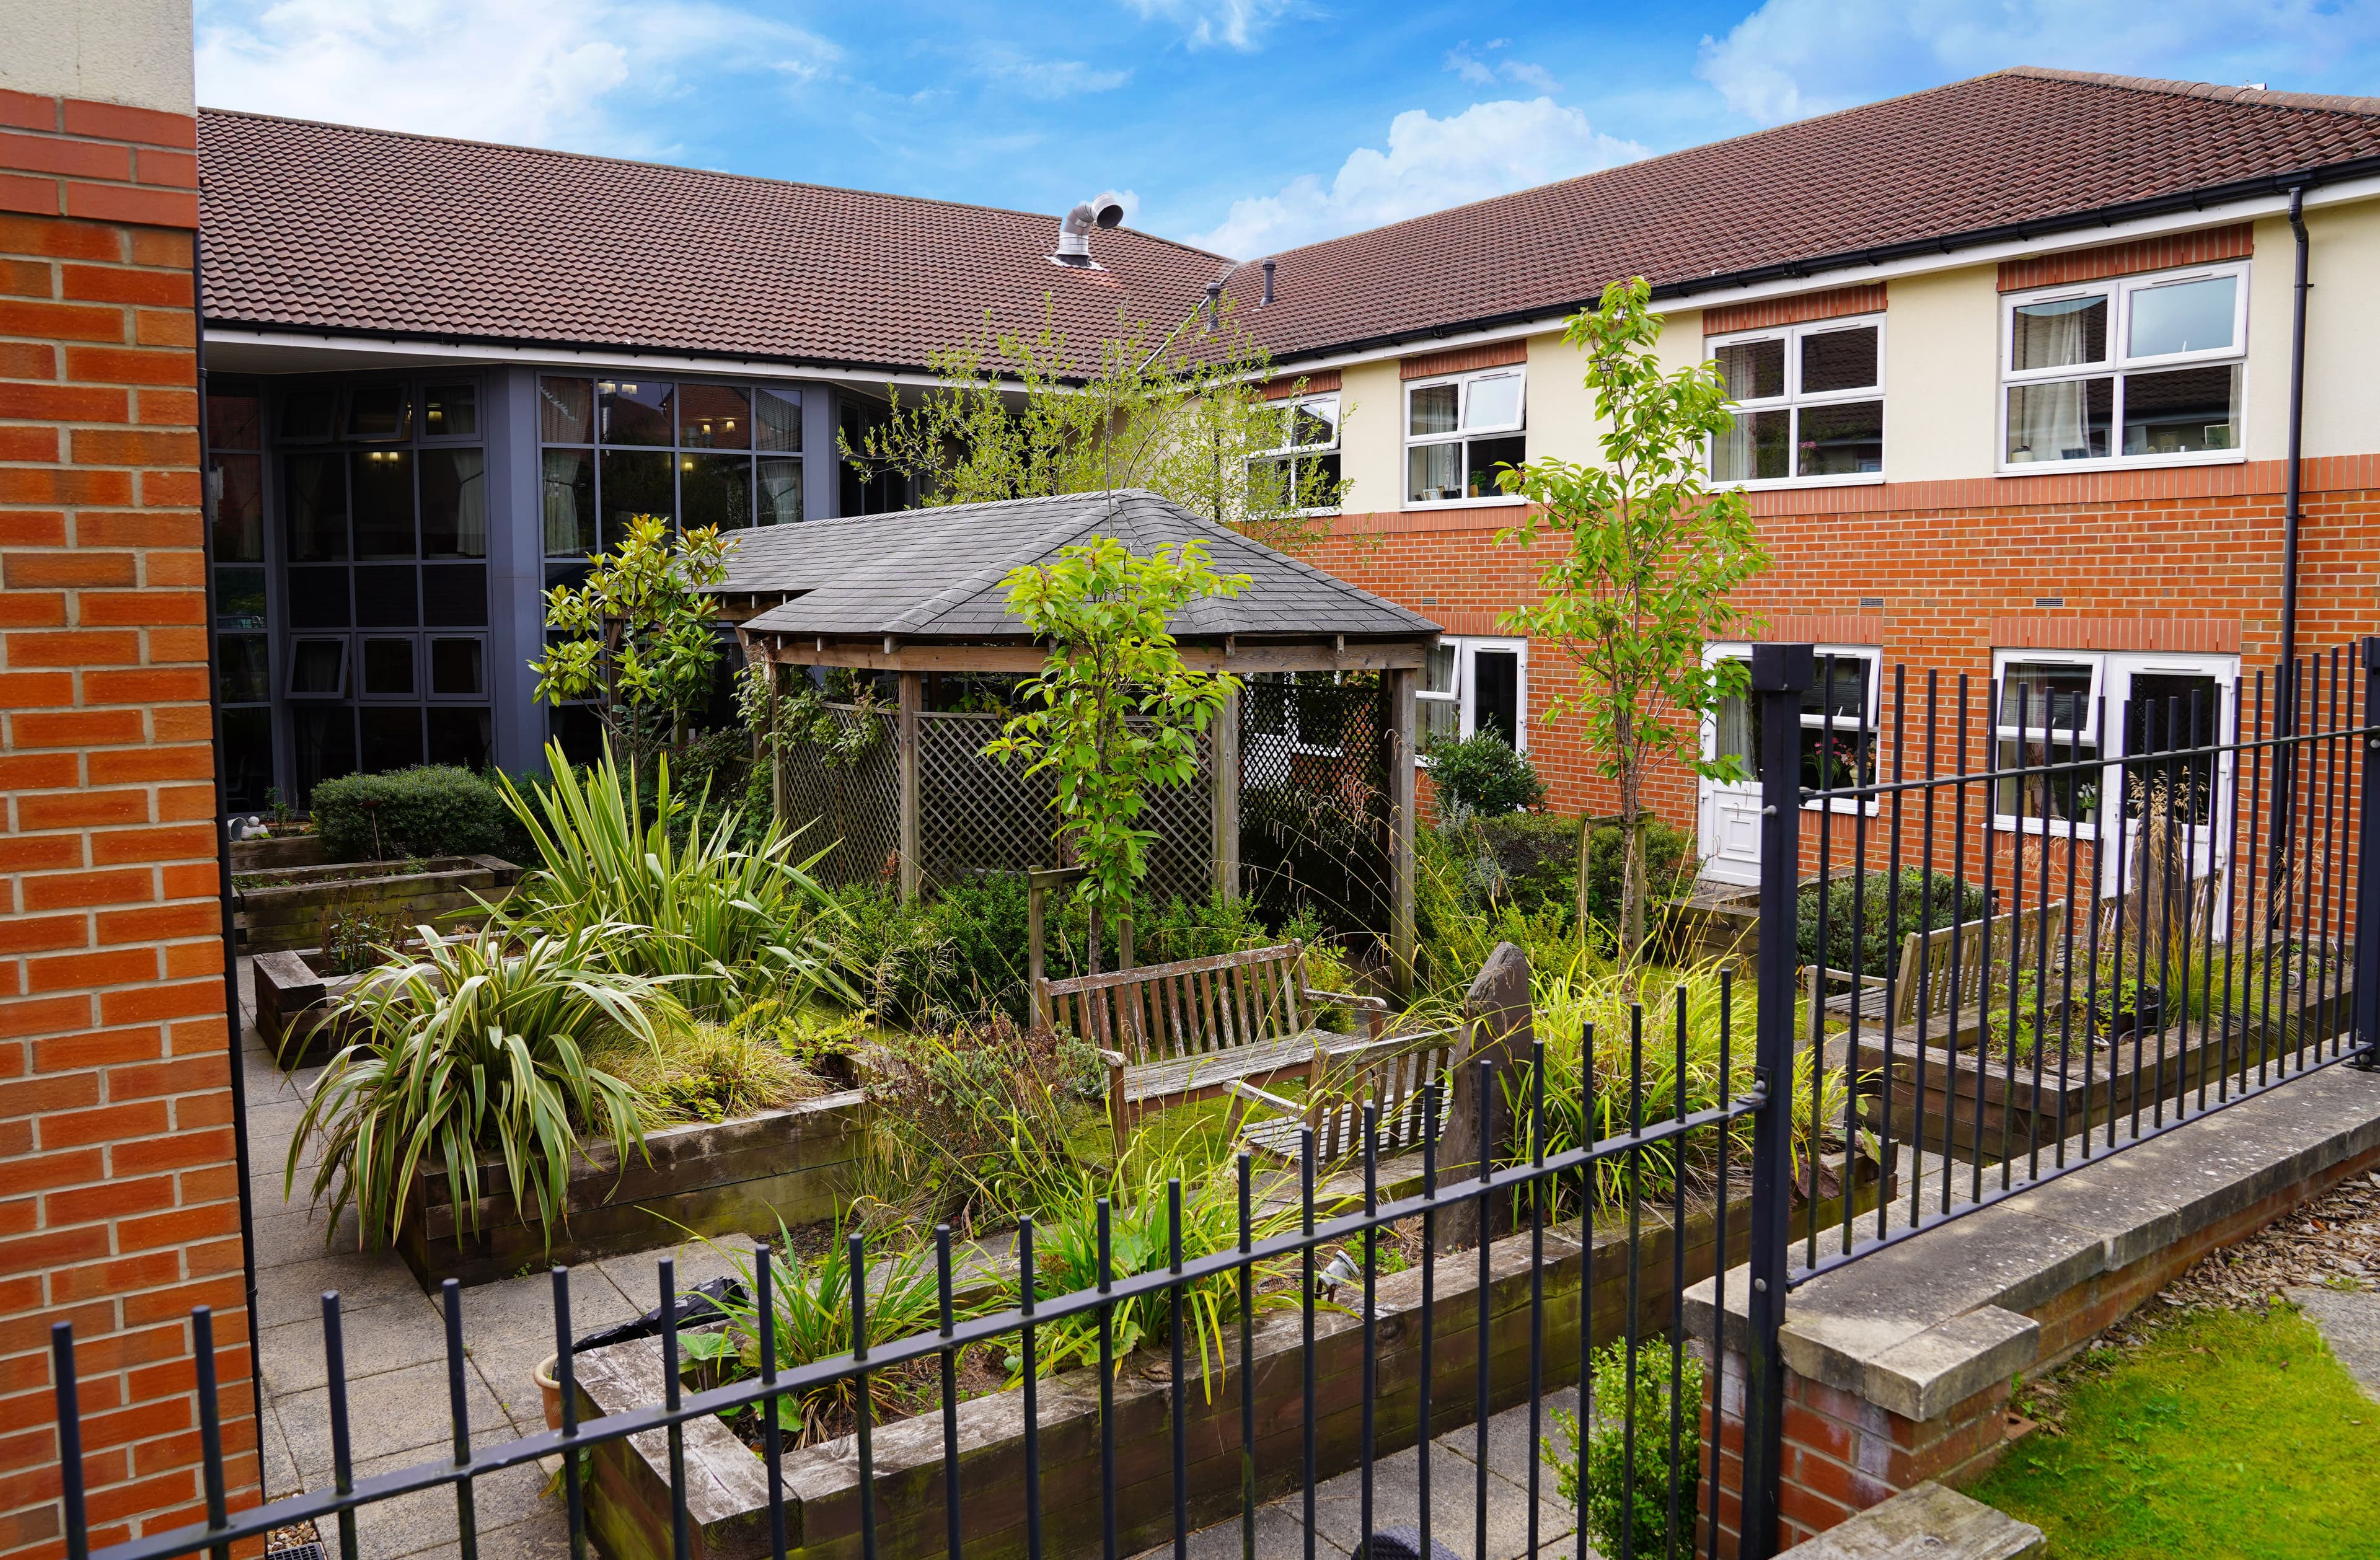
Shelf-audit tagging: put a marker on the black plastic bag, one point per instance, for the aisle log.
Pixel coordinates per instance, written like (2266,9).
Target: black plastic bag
(698,1306)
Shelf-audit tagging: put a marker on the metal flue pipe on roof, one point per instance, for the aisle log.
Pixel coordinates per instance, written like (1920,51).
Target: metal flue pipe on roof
(1105,210)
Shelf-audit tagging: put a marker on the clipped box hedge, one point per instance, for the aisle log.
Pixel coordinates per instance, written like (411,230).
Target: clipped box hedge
(438,810)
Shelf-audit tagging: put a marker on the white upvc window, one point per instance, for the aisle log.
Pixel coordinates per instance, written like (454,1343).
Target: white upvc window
(2062,718)
(1470,685)
(1307,454)
(1808,402)
(1460,430)
(2129,369)
(1838,717)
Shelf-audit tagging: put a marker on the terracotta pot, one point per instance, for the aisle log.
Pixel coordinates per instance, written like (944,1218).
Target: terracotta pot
(550,1390)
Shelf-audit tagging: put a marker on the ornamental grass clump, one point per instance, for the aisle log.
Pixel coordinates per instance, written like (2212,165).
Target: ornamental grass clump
(723,922)
(1631,1083)
(479,1047)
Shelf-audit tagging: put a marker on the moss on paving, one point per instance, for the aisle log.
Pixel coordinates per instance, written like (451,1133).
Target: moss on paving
(2226,1433)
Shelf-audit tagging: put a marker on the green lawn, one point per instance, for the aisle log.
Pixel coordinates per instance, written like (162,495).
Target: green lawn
(2226,1434)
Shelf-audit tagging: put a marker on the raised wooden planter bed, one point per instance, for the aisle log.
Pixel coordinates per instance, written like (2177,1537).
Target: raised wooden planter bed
(277,853)
(294,1005)
(730,1177)
(287,912)
(628,1501)
(2018,1114)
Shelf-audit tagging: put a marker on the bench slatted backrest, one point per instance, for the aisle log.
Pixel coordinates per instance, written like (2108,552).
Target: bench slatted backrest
(1191,1007)
(1949,968)
(1393,1081)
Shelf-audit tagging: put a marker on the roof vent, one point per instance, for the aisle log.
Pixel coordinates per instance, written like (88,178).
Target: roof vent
(1074,229)
(1267,292)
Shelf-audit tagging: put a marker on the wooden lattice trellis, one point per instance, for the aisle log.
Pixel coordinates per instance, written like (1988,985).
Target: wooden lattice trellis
(974,814)
(853,812)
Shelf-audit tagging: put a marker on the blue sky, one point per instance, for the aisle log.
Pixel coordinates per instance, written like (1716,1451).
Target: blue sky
(1246,126)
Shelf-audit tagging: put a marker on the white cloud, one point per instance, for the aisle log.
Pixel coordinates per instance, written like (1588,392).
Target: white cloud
(1488,148)
(1478,72)
(1237,24)
(1792,58)
(543,72)
(1047,79)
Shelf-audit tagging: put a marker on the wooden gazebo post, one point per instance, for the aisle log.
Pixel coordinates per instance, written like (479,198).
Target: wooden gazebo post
(1402,684)
(913,705)
(1223,793)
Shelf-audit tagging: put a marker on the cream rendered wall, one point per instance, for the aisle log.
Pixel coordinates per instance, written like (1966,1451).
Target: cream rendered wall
(2342,398)
(1371,447)
(1561,409)
(1941,352)
(135,51)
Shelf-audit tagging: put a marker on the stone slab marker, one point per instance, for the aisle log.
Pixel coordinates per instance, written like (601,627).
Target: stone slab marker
(1496,1021)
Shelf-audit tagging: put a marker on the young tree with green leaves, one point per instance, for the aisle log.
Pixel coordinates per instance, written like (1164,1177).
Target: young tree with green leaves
(1647,556)
(1114,712)
(639,635)
(1184,416)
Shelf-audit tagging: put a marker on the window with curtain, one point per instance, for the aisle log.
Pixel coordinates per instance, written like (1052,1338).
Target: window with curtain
(1460,432)
(2131,368)
(1808,402)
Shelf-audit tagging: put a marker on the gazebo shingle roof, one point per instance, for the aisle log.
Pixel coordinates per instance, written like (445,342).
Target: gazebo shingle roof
(936,573)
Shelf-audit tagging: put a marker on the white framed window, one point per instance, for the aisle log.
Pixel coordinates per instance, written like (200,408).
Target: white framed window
(1460,430)
(1308,456)
(2130,368)
(1808,402)
(2062,717)
(1839,722)
(1470,685)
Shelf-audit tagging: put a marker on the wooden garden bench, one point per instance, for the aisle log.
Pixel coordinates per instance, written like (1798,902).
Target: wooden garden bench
(1173,1033)
(1993,954)
(1388,1073)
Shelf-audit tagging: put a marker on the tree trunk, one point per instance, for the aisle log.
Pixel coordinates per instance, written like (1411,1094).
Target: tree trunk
(1586,837)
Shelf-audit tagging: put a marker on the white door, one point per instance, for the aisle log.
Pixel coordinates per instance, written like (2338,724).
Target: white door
(2060,709)
(1836,748)
(2170,705)
(1727,821)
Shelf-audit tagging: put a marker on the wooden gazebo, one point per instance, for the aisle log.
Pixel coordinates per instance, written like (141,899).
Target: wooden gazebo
(918,596)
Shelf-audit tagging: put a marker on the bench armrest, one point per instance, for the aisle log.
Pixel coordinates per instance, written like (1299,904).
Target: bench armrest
(1114,1058)
(1240,1089)
(1345,999)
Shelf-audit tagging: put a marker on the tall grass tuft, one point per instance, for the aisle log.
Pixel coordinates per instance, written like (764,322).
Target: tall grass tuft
(479,1046)
(722,921)
(1581,1110)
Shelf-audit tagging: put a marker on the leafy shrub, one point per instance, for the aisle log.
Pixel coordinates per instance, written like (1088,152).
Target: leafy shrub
(1627,1504)
(1482,772)
(1868,936)
(479,1046)
(352,937)
(438,810)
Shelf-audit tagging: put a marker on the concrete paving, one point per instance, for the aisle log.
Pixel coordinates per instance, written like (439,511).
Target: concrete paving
(2349,1321)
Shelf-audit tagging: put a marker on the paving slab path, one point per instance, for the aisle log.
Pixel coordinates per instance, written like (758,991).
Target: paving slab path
(2349,1321)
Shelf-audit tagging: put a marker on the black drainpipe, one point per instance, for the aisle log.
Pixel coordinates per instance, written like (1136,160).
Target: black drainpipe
(237,1049)
(2292,505)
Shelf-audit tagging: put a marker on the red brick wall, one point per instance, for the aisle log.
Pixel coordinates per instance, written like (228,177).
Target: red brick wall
(119,1182)
(1950,563)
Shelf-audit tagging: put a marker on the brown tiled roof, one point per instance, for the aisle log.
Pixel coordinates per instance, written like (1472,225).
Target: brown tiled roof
(333,227)
(2025,146)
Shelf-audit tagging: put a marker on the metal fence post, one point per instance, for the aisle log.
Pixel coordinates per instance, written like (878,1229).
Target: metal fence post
(2367,870)
(1780,674)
